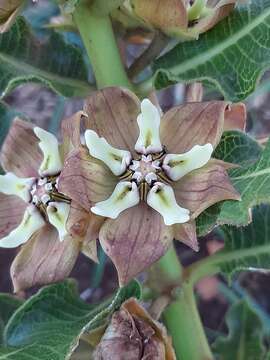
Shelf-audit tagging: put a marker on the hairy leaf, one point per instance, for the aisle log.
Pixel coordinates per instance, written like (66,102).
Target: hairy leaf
(232,56)
(53,63)
(253,183)
(8,305)
(244,341)
(48,326)
(234,147)
(247,247)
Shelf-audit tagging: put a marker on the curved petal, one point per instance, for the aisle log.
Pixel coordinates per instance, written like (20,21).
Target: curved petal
(20,153)
(178,165)
(71,132)
(186,233)
(161,198)
(192,124)
(125,195)
(135,240)
(204,187)
(52,162)
(85,179)
(112,114)
(43,260)
(235,117)
(116,160)
(32,221)
(148,120)
(12,209)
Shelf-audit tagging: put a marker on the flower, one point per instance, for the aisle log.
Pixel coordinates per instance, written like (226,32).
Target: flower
(9,10)
(181,18)
(148,176)
(133,334)
(32,209)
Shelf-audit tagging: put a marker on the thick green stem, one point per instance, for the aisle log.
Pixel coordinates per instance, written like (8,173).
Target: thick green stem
(184,324)
(181,317)
(99,41)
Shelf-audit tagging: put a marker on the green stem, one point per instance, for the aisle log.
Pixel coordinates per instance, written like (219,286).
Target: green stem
(99,41)
(181,316)
(184,324)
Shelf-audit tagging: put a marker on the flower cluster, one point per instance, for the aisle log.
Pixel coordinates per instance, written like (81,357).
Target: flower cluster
(32,209)
(136,180)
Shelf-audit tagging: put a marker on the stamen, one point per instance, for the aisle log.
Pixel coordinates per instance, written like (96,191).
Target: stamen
(57,215)
(32,221)
(10,184)
(117,160)
(124,196)
(148,122)
(161,198)
(177,166)
(48,144)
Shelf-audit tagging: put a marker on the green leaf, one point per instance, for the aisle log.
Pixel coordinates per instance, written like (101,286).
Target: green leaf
(244,341)
(48,326)
(253,184)
(232,56)
(247,247)
(234,147)
(8,305)
(53,63)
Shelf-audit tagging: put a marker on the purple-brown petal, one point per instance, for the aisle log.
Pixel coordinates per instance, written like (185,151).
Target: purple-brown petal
(220,11)
(204,187)
(186,233)
(135,240)
(20,153)
(235,117)
(132,334)
(86,180)
(12,209)
(44,259)
(112,114)
(71,132)
(192,124)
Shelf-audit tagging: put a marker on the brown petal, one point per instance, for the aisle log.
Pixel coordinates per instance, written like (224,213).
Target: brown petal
(165,15)
(235,117)
(135,240)
(134,308)
(71,132)
(11,212)
(112,114)
(85,179)
(20,153)
(194,92)
(132,334)
(84,226)
(191,124)
(204,187)
(43,260)
(186,233)
(221,10)
(9,10)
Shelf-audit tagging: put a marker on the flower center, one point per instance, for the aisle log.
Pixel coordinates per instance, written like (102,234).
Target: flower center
(145,169)
(45,190)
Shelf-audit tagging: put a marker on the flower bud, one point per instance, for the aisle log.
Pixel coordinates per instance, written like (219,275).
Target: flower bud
(132,334)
